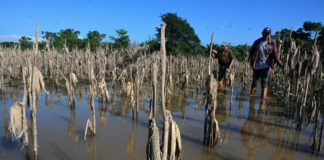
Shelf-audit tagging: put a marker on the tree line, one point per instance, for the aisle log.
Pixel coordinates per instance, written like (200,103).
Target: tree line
(181,39)
(70,39)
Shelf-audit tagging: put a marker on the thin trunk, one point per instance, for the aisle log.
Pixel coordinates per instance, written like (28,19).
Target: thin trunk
(163,67)
(26,140)
(33,102)
(154,78)
(36,39)
(153,151)
(210,52)
(166,121)
(170,73)
(211,128)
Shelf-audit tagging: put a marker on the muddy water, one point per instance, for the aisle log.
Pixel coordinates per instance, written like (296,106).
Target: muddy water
(250,128)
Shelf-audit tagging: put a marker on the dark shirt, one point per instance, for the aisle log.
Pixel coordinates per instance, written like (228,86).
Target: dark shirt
(225,58)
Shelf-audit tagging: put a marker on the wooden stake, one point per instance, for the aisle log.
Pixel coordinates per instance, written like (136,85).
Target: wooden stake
(166,121)
(163,66)
(210,52)
(36,39)
(26,140)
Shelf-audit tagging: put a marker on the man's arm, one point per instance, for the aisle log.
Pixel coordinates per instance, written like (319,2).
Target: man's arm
(275,54)
(251,54)
(231,57)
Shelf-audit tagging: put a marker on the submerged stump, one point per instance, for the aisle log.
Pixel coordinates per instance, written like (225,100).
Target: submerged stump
(211,127)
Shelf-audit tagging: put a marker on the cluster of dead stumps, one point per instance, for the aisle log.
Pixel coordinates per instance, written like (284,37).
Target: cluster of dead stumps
(70,68)
(171,143)
(33,83)
(299,83)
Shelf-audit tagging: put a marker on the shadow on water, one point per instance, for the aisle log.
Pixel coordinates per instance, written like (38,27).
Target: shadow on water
(250,128)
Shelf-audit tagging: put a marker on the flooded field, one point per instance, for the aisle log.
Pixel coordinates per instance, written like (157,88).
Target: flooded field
(104,84)
(250,128)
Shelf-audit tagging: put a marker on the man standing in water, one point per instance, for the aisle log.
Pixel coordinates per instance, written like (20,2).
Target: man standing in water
(263,56)
(225,60)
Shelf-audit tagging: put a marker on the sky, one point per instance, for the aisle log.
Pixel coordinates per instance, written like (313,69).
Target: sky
(231,21)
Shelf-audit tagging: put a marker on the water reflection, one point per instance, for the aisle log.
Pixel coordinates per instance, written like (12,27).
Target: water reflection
(177,103)
(253,131)
(6,118)
(222,104)
(113,98)
(103,110)
(49,99)
(265,128)
(132,141)
(78,93)
(124,106)
(72,131)
(91,146)
(250,128)
(222,114)
(27,153)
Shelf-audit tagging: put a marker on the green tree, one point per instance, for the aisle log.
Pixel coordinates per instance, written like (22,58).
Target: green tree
(316,29)
(122,40)
(49,37)
(302,38)
(312,27)
(8,44)
(321,44)
(70,37)
(321,35)
(284,35)
(153,44)
(25,43)
(94,38)
(42,45)
(181,38)
(240,51)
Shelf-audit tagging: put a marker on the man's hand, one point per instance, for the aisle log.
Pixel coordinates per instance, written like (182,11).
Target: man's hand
(270,72)
(252,65)
(214,54)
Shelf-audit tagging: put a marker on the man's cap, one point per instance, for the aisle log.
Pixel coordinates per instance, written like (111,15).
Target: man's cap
(266,31)
(225,44)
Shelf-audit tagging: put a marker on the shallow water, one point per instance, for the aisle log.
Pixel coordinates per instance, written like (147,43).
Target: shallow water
(250,128)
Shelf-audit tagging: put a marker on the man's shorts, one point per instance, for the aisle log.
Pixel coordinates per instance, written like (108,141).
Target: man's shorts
(223,73)
(261,74)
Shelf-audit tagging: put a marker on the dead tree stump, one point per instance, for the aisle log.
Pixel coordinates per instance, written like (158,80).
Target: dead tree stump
(211,128)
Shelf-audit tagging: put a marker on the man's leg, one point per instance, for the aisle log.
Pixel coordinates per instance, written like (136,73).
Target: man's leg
(227,77)
(264,82)
(254,82)
(221,76)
